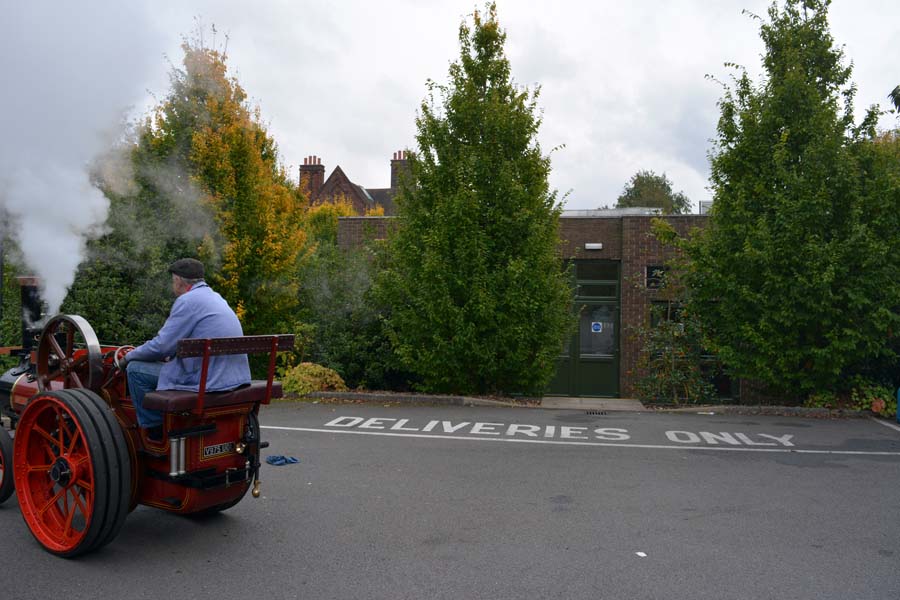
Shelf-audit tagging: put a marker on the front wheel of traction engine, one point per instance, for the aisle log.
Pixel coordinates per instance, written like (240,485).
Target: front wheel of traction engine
(6,464)
(72,471)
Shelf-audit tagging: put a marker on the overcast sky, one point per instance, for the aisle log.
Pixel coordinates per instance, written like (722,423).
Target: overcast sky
(623,84)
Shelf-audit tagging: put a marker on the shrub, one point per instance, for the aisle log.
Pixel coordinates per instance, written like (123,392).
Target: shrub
(346,321)
(863,395)
(310,377)
(670,360)
(867,395)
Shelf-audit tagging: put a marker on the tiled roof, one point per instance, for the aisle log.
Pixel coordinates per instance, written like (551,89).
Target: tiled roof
(384,197)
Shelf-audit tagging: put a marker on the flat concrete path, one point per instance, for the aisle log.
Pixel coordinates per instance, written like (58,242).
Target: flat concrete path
(623,404)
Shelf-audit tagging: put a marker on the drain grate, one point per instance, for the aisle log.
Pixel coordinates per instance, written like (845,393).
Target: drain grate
(596,413)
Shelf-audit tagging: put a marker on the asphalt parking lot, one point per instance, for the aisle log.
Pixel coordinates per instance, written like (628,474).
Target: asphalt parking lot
(470,502)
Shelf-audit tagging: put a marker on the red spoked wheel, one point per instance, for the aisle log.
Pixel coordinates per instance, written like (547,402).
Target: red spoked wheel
(72,471)
(6,462)
(69,351)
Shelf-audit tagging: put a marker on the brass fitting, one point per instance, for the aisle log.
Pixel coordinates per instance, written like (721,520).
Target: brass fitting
(255,491)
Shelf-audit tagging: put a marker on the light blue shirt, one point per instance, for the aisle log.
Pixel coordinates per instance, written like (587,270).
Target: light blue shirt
(198,313)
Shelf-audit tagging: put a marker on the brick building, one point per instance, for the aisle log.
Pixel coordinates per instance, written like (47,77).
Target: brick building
(616,259)
(338,185)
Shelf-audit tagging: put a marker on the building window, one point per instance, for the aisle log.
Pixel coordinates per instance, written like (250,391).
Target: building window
(596,279)
(596,290)
(664,311)
(596,270)
(597,330)
(656,276)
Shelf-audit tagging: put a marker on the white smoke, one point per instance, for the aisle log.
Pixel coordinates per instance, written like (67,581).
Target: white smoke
(71,72)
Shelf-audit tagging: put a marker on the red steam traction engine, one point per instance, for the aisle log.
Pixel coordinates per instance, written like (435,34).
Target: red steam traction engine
(75,455)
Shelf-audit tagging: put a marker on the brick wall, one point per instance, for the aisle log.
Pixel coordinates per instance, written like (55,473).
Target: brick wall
(354,232)
(640,249)
(575,232)
(626,239)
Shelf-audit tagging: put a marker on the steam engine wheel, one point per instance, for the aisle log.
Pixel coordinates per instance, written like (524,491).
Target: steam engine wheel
(69,350)
(72,471)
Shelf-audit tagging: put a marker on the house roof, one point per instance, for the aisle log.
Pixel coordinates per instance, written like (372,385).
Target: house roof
(384,197)
(338,181)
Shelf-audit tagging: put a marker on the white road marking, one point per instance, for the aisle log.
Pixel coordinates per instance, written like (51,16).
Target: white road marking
(572,443)
(885,423)
(641,554)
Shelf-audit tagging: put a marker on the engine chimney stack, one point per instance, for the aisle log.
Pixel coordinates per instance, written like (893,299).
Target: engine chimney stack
(31,311)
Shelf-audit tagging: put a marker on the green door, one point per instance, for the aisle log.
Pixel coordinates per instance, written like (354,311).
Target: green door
(589,365)
(596,366)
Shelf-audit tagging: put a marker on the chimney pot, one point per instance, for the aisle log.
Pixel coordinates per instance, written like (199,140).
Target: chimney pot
(398,167)
(312,176)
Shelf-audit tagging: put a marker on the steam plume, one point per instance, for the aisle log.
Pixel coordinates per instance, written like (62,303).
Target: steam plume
(71,71)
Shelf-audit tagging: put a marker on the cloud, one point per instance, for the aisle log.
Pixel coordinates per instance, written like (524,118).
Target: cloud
(539,58)
(622,84)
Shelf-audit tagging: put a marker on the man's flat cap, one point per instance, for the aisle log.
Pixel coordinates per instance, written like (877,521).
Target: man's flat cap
(188,268)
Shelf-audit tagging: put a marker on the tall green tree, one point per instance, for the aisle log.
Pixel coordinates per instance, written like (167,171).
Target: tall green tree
(895,97)
(479,299)
(647,189)
(795,277)
(200,176)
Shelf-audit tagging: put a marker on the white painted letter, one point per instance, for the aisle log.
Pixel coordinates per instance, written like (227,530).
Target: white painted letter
(529,430)
(399,426)
(449,427)
(486,428)
(675,436)
(375,423)
(339,422)
(784,439)
(613,435)
(569,433)
(746,439)
(715,438)
(550,431)
(431,425)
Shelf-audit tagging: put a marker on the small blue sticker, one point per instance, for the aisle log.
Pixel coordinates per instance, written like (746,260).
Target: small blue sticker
(597,327)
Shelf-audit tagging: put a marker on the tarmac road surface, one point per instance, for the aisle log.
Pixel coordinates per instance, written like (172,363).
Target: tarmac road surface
(469,502)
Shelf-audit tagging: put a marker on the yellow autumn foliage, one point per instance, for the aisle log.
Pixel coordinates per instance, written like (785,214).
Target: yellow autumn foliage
(260,213)
(322,219)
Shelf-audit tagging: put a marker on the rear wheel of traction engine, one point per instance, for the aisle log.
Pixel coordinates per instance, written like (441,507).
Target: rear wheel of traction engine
(6,463)
(253,426)
(72,471)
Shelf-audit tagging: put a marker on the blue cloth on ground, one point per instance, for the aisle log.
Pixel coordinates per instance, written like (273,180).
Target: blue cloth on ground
(280,461)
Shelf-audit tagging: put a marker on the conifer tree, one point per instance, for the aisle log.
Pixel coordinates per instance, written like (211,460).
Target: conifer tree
(795,277)
(479,300)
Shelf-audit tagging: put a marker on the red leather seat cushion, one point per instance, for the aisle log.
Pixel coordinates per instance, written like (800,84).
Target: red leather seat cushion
(178,400)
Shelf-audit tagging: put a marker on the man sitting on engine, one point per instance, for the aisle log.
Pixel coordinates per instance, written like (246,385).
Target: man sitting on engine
(198,312)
